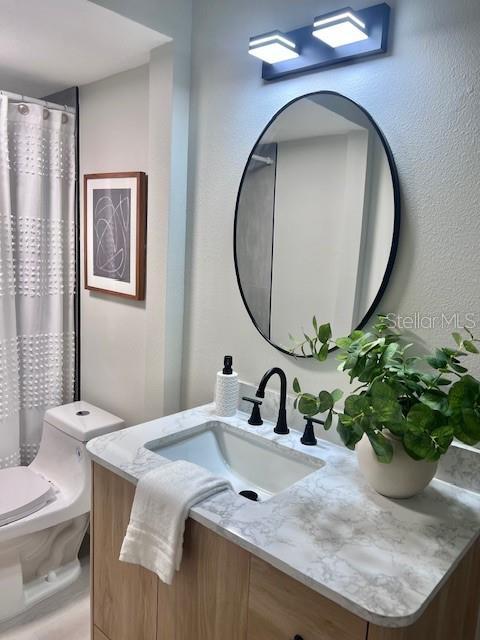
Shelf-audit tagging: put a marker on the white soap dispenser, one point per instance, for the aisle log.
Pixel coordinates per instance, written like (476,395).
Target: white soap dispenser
(227,389)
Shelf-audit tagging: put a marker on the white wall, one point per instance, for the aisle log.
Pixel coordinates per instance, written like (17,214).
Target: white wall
(131,351)
(308,252)
(423,94)
(144,382)
(379,224)
(114,136)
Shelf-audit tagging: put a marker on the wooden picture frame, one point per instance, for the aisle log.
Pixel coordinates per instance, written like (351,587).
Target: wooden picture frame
(115,233)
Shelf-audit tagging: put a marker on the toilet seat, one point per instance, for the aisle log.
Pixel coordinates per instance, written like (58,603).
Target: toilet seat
(22,492)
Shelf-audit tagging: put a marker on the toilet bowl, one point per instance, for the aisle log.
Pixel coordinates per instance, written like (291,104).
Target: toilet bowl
(45,507)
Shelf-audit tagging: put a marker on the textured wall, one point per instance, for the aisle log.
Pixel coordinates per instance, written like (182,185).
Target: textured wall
(425,97)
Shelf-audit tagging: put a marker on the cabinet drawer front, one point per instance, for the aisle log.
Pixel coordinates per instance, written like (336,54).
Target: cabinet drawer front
(280,608)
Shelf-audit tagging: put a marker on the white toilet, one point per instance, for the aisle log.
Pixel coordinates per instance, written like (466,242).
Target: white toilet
(45,507)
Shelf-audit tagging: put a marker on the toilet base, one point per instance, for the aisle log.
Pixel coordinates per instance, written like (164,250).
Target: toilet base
(36,566)
(47,586)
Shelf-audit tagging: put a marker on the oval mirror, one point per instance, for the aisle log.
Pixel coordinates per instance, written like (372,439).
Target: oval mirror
(317,219)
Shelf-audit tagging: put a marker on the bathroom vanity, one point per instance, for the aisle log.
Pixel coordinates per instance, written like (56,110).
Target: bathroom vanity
(321,557)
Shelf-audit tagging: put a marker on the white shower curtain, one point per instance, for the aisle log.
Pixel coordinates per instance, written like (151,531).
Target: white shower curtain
(37,271)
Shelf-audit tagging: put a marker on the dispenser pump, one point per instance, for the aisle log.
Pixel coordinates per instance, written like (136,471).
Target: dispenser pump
(227,389)
(227,365)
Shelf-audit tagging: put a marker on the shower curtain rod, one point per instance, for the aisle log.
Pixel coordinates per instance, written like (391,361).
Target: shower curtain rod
(43,103)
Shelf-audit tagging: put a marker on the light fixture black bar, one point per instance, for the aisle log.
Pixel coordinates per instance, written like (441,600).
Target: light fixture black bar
(315,54)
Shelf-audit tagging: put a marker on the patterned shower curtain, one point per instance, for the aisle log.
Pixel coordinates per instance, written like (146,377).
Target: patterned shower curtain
(37,271)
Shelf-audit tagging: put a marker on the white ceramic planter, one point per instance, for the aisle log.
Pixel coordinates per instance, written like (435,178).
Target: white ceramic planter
(403,477)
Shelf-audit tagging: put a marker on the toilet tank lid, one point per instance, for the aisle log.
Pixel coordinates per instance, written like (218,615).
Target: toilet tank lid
(82,420)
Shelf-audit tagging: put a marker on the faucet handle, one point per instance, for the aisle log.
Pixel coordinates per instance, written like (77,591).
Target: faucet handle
(255,419)
(308,437)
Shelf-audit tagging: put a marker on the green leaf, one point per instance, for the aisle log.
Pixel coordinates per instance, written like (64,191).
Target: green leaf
(309,341)
(421,417)
(387,411)
(356,335)
(370,372)
(389,352)
(470,346)
(369,346)
(325,401)
(337,394)
(382,447)
(355,405)
(315,325)
(443,437)
(328,421)
(343,343)
(458,338)
(464,393)
(435,399)
(471,424)
(438,361)
(323,353)
(358,368)
(324,332)
(461,434)
(451,353)
(464,402)
(432,379)
(398,428)
(417,443)
(296,385)
(458,368)
(351,361)
(443,382)
(382,391)
(308,404)
(350,434)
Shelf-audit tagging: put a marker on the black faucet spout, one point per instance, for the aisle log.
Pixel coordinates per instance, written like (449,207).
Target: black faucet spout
(281,426)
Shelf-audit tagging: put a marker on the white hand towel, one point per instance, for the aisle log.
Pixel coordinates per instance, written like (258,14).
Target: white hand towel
(154,537)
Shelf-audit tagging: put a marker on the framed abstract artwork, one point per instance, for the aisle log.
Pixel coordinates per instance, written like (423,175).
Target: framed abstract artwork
(114,233)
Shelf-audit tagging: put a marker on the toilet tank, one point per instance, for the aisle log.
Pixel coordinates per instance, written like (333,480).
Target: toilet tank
(82,421)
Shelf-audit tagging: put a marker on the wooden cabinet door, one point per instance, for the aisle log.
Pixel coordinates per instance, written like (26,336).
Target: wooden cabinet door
(124,596)
(209,596)
(280,608)
(97,634)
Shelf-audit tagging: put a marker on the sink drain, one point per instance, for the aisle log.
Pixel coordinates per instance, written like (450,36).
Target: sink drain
(250,495)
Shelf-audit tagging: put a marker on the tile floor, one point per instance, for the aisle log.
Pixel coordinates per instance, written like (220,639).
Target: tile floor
(65,616)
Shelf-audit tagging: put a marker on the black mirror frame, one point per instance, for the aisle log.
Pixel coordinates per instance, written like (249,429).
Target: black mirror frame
(396,222)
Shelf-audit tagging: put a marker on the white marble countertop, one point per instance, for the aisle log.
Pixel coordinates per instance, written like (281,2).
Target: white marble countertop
(382,559)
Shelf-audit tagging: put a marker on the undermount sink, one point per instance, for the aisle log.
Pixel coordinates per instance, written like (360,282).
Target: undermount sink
(248,461)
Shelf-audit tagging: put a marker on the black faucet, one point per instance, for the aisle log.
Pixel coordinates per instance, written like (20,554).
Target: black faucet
(281,426)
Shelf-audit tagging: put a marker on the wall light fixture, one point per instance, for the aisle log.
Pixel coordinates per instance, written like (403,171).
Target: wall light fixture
(334,38)
(272,47)
(339,28)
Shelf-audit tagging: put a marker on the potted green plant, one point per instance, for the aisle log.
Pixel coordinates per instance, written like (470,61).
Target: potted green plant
(405,411)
